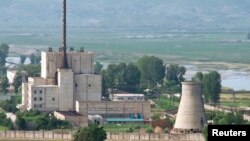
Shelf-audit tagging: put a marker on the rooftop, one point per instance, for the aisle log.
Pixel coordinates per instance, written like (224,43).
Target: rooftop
(128,94)
(69,113)
(123,120)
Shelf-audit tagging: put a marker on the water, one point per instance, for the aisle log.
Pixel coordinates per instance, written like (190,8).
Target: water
(238,80)
(235,79)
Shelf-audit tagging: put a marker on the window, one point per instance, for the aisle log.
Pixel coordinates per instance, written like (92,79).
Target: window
(41,98)
(75,85)
(41,91)
(89,85)
(34,91)
(34,98)
(35,105)
(40,105)
(53,99)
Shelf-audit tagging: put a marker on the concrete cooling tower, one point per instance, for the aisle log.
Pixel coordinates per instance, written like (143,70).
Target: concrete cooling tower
(191,114)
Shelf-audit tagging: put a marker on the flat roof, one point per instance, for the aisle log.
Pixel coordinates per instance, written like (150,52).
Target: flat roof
(123,120)
(124,94)
(68,113)
(44,86)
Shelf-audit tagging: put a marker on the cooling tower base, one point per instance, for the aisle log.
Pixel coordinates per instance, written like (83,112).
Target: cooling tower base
(185,131)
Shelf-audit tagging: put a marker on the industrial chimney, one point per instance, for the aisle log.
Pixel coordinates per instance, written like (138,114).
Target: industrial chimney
(191,114)
(64,38)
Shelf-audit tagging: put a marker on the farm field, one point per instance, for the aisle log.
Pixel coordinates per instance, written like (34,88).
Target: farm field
(182,47)
(241,100)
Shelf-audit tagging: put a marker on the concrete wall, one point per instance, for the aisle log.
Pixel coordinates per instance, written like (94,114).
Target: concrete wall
(191,113)
(88,87)
(80,62)
(24,94)
(52,98)
(75,120)
(128,97)
(65,83)
(108,108)
(50,135)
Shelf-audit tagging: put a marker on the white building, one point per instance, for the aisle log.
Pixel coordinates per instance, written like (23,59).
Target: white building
(127,97)
(11,75)
(58,88)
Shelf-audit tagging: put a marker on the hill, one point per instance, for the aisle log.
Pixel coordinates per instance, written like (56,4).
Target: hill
(128,13)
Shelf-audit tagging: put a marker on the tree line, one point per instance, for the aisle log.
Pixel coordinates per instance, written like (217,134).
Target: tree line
(150,72)
(32,69)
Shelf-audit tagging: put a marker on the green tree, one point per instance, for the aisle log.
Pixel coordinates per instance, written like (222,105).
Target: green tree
(198,77)
(98,67)
(10,105)
(212,87)
(31,70)
(205,132)
(20,123)
(32,58)
(175,73)
(4,50)
(152,71)
(229,118)
(174,77)
(132,77)
(22,59)
(122,76)
(17,82)
(6,122)
(91,133)
(35,59)
(110,76)
(4,84)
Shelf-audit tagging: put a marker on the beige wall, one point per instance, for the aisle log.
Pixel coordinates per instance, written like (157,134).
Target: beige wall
(80,62)
(88,87)
(76,120)
(24,94)
(68,136)
(52,98)
(113,108)
(65,83)
(43,97)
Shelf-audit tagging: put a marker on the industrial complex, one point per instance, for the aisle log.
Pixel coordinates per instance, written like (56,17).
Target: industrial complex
(69,88)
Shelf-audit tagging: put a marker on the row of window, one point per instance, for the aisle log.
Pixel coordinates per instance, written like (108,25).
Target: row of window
(131,98)
(36,98)
(41,99)
(39,91)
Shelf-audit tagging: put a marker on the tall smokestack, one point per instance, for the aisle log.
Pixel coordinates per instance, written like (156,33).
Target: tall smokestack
(65,62)
(191,114)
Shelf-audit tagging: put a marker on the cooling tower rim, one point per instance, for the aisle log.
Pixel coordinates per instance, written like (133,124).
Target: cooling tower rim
(191,83)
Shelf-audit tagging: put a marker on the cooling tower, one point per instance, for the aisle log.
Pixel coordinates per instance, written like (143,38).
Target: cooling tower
(191,114)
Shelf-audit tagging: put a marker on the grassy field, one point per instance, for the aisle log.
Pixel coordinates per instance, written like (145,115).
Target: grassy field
(241,100)
(2,128)
(172,47)
(120,128)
